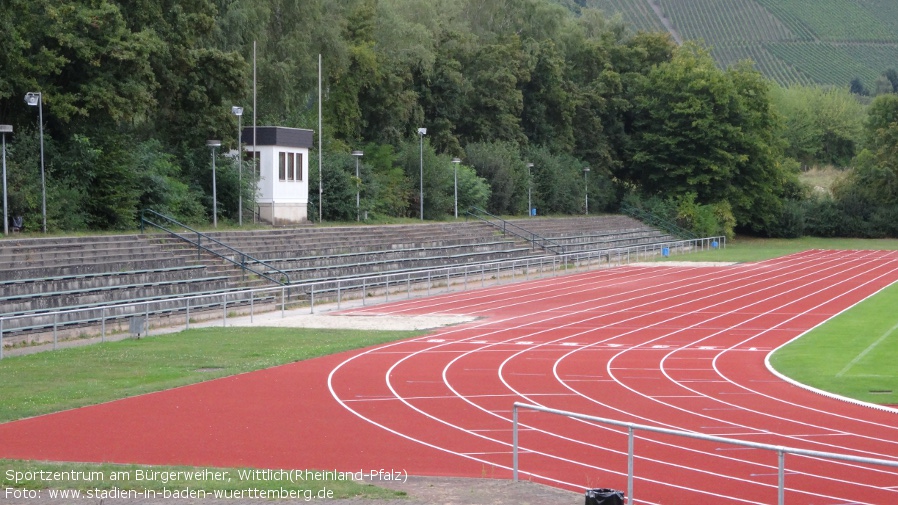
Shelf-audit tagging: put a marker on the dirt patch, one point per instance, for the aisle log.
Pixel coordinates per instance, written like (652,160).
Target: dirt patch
(352,322)
(684,264)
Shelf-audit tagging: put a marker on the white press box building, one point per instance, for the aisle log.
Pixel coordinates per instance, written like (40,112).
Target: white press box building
(283,171)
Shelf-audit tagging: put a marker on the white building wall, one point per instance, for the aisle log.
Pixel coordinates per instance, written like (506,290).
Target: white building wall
(282,202)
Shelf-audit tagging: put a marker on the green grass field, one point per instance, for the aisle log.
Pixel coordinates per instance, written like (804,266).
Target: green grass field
(852,355)
(53,381)
(754,249)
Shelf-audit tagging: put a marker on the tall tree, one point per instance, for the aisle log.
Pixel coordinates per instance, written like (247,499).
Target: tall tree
(683,128)
(346,82)
(548,108)
(496,71)
(762,179)
(500,164)
(857,87)
(822,126)
(874,179)
(437,178)
(443,90)
(892,75)
(700,130)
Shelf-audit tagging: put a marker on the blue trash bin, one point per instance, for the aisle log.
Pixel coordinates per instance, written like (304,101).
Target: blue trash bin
(665,251)
(533,211)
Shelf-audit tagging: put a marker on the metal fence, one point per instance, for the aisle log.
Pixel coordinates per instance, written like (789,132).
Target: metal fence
(140,317)
(781,451)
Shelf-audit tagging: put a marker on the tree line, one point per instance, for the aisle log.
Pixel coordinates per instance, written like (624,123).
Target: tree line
(528,94)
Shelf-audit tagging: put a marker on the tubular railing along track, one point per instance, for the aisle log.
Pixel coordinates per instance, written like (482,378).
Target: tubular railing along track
(633,427)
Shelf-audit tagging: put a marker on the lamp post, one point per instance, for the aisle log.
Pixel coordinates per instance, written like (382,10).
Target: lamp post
(455,162)
(213,144)
(4,129)
(529,190)
(36,98)
(586,188)
(358,181)
(238,111)
(421,133)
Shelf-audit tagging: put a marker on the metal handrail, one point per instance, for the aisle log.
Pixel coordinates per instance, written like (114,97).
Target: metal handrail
(285,279)
(513,229)
(631,427)
(657,221)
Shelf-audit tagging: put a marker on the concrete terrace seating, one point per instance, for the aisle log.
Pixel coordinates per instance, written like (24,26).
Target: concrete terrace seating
(102,275)
(591,233)
(318,253)
(43,275)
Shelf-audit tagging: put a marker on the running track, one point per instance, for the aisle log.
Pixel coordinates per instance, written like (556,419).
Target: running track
(682,348)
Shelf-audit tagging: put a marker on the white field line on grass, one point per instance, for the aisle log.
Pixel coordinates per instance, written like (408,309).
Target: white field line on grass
(866,351)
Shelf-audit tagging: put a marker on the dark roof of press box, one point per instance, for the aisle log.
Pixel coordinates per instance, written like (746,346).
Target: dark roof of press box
(278,136)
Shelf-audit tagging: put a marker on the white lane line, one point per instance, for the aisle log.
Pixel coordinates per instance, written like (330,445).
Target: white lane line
(609,365)
(784,322)
(373,421)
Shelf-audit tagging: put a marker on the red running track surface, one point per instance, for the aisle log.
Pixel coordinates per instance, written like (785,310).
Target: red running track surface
(675,347)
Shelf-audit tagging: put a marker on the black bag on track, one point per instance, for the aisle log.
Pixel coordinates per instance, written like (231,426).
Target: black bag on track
(604,497)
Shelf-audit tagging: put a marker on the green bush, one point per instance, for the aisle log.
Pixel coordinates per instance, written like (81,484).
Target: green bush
(701,220)
(791,222)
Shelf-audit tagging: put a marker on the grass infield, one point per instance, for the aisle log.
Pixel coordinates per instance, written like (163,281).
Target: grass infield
(851,355)
(68,378)
(743,249)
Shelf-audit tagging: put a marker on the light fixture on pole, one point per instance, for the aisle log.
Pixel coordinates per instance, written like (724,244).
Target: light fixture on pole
(529,188)
(4,129)
(358,181)
(455,162)
(586,188)
(421,133)
(238,111)
(213,144)
(36,98)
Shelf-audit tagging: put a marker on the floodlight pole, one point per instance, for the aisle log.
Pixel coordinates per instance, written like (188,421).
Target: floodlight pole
(320,162)
(529,189)
(358,182)
(37,98)
(238,111)
(586,188)
(421,133)
(455,162)
(4,129)
(213,144)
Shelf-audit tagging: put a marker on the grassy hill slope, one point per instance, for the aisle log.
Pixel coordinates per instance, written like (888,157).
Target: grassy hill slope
(828,42)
